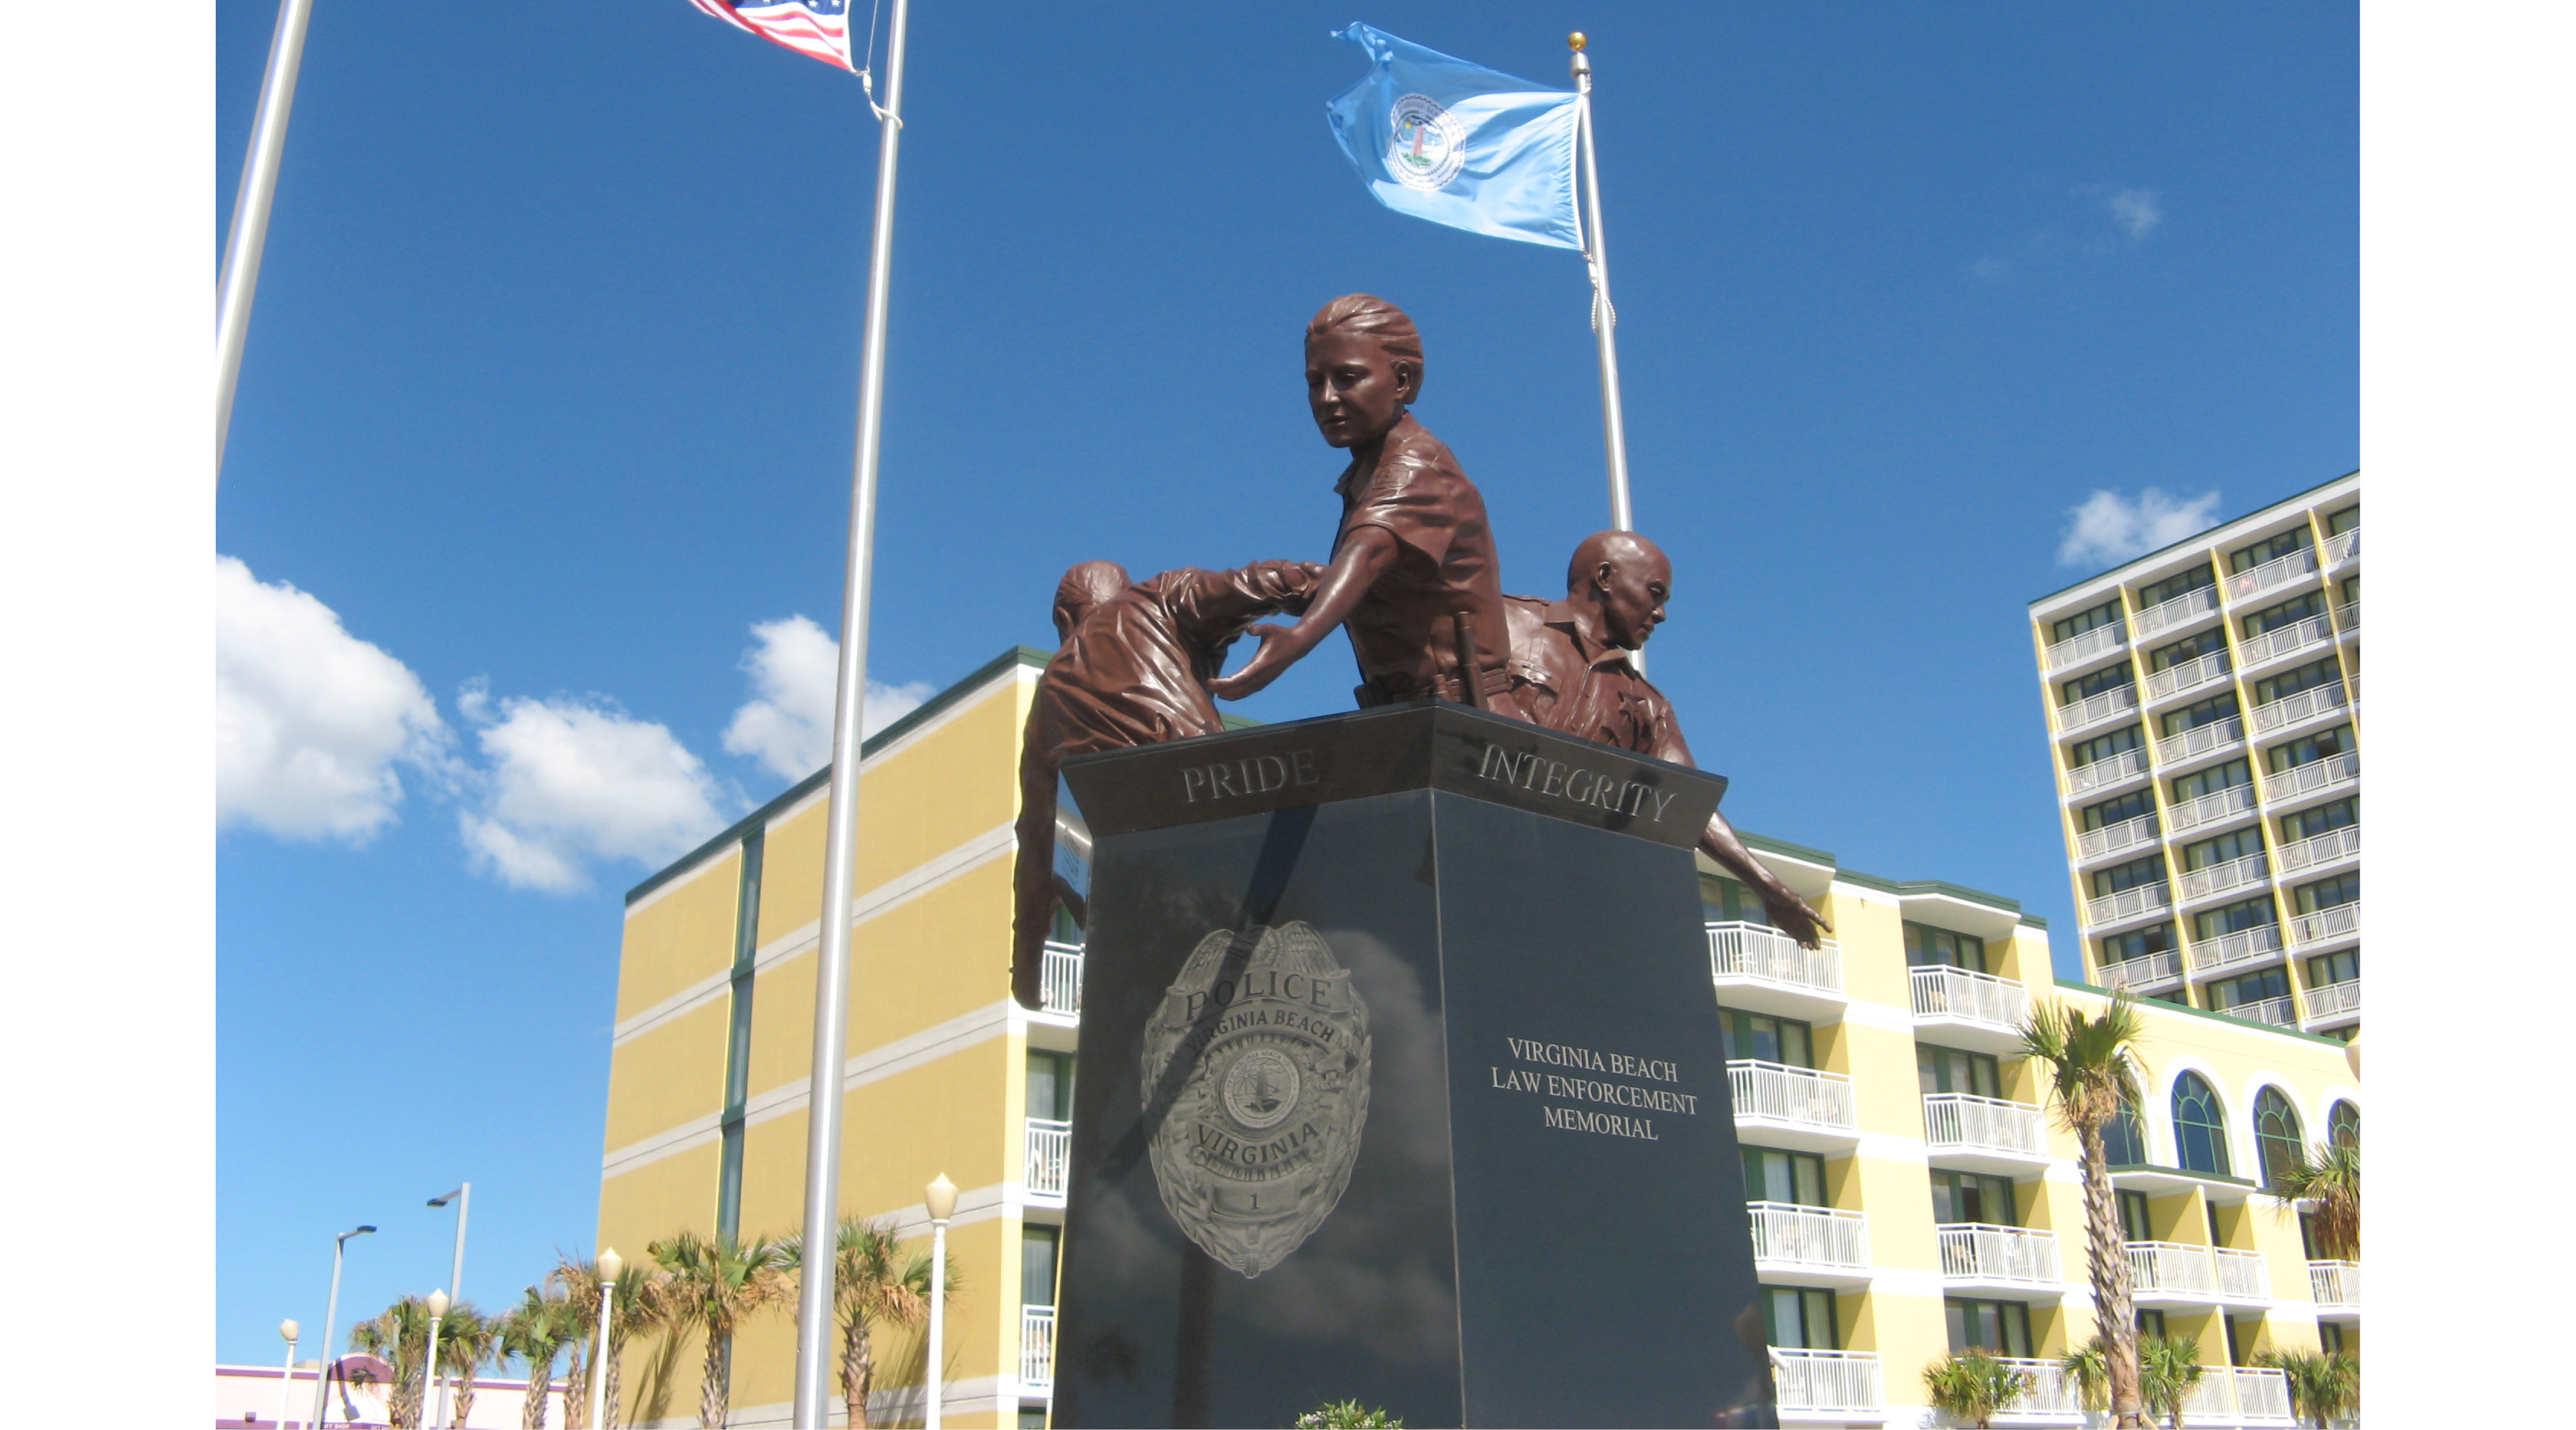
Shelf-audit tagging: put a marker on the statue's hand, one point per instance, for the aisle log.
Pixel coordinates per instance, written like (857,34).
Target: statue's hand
(1795,917)
(1263,668)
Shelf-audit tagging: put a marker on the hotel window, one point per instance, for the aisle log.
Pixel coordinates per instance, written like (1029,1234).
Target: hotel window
(2308,749)
(2151,1323)
(2331,893)
(2288,613)
(2271,548)
(2105,614)
(1797,1178)
(2103,747)
(2341,966)
(2234,918)
(1051,1086)
(2083,686)
(2241,1331)
(2350,587)
(2192,647)
(1723,900)
(1942,1069)
(1926,945)
(2135,1224)
(1959,1197)
(1998,1327)
(2124,1143)
(2236,992)
(2096,816)
(2212,780)
(1797,1318)
(2236,844)
(2325,671)
(2330,1338)
(2137,943)
(2200,1131)
(1766,1039)
(2121,877)
(2309,823)
(2343,1124)
(2344,520)
(1037,1265)
(2277,1139)
(2156,593)
(2218,707)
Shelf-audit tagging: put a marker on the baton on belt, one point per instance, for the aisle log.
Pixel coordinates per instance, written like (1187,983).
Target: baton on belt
(1470,679)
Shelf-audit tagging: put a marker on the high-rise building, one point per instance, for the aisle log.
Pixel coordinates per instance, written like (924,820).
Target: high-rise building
(2204,714)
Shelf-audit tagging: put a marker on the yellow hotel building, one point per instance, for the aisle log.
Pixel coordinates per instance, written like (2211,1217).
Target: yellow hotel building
(1910,1194)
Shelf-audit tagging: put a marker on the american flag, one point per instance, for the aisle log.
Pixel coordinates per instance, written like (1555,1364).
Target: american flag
(820,28)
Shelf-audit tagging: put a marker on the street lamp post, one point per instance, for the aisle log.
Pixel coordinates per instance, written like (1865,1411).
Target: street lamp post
(610,1263)
(463,1196)
(429,1373)
(286,1377)
(940,1198)
(330,1319)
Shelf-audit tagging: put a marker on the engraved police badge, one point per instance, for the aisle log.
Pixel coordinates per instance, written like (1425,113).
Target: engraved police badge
(1268,1073)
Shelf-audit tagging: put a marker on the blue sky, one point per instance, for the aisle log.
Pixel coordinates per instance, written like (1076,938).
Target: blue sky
(548,398)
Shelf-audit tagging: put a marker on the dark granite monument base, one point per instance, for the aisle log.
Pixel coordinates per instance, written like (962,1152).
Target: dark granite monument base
(1400,1081)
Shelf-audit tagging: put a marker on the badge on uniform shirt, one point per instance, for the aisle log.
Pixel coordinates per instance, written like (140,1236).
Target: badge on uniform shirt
(1272,1061)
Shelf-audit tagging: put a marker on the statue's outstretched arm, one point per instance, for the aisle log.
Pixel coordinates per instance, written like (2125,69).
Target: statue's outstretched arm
(1793,916)
(1365,555)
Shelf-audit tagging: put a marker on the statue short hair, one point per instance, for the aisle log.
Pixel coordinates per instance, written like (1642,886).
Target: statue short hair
(1611,546)
(1085,585)
(1378,318)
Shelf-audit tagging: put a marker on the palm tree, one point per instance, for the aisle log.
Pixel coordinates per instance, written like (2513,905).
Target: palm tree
(871,1281)
(2321,1386)
(2329,1177)
(2089,1366)
(2094,1074)
(640,1307)
(398,1336)
(536,1331)
(2168,1369)
(466,1341)
(712,1285)
(1974,1386)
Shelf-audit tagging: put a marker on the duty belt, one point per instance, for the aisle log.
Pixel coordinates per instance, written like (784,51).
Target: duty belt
(1396,689)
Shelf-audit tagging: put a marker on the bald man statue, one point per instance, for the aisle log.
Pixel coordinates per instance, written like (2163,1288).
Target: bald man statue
(1132,668)
(1571,673)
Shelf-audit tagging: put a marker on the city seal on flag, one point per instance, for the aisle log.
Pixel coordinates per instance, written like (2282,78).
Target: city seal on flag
(1262,1063)
(1426,145)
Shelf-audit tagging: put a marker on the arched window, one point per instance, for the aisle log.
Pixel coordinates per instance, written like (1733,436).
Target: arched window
(2200,1134)
(2124,1140)
(2343,1124)
(2276,1135)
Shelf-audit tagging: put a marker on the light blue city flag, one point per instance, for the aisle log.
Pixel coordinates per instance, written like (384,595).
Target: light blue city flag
(1439,138)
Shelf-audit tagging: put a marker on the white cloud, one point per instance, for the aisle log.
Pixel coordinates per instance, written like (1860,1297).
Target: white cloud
(787,725)
(310,722)
(572,781)
(2110,528)
(2136,210)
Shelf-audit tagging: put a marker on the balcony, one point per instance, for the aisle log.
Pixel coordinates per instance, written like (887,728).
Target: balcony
(2339,924)
(1763,970)
(2076,649)
(2282,642)
(2272,575)
(1060,980)
(2343,546)
(1826,1383)
(2262,1397)
(2322,850)
(2191,675)
(2052,1399)
(2137,903)
(2336,1285)
(1809,1246)
(2008,1258)
(2241,949)
(2334,772)
(2181,610)
(1037,1350)
(2308,704)
(2216,737)
(2141,973)
(2211,1400)
(2111,839)
(2348,615)
(2099,709)
(2213,807)
(2225,877)
(1983,1134)
(2169,1273)
(1798,1108)
(2278,1012)
(2119,769)
(2333,1004)
(1049,1146)
(1977,1011)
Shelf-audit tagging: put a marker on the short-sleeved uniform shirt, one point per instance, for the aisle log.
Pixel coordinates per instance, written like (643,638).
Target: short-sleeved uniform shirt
(1445,562)
(1575,686)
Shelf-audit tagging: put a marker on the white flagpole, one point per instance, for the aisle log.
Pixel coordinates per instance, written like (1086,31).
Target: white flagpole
(815,1358)
(249,230)
(1605,319)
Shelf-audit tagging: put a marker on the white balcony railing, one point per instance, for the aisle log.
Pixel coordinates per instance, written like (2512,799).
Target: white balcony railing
(2145,971)
(2317,850)
(1037,1348)
(2165,615)
(2276,1011)
(2343,546)
(1802,1097)
(2335,1002)
(1060,978)
(2095,709)
(2290,709)
(2084,647)
(2171,1268)
(2212,807)
(2348,615)
(2277,572)
(2189,676)
(1973,1251)
(2336,1285)
(1827,1381)
(2262,1397)
(2128,764)
(2209,1400)
(2226,877)
(2134,903)
(2332,772)
(2241,1276)
(2112,838)
(2201,740)
(2326,925)
(1050,1147)
(2259,944)
(1962,1122)
(1813,1237)
(1766,955)
(1944,992)
(2308,634)
(2053,1394)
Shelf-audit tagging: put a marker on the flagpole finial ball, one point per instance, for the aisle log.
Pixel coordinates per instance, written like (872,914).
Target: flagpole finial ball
(1575,42)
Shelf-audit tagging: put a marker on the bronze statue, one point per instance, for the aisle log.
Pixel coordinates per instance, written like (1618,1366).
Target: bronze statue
(1414,578)
(1133,669)
(1571,673)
